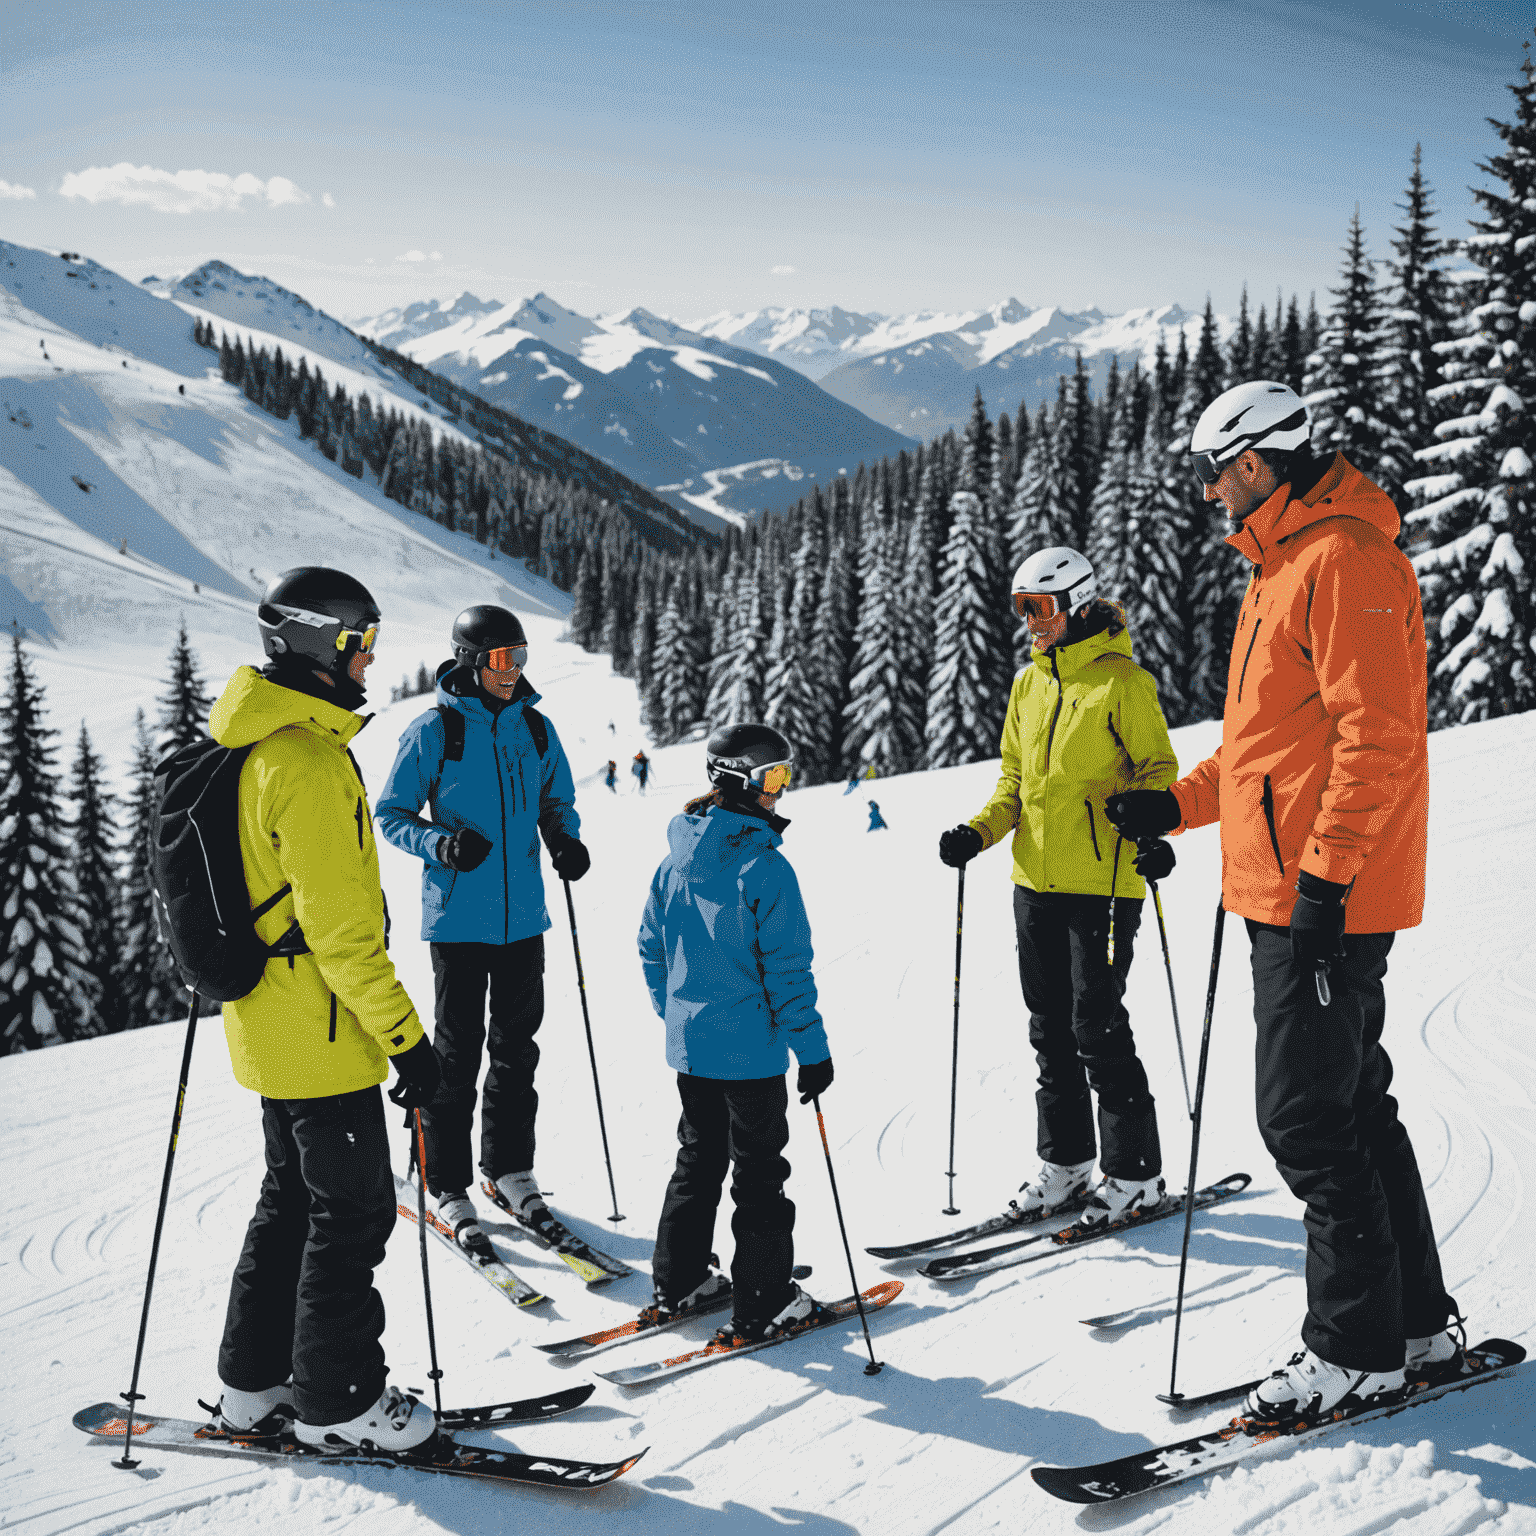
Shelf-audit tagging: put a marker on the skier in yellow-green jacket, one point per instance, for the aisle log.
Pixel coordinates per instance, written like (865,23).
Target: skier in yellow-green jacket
(317,1035)
(1083,723)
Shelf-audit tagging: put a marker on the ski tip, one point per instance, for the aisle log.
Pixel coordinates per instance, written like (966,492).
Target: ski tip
(1063,1483)
(98,1418)
(1173,1399)
(1235,1182)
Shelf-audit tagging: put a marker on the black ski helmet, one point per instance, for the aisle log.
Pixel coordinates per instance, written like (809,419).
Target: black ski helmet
(318,614)
(736,753)
(484,628)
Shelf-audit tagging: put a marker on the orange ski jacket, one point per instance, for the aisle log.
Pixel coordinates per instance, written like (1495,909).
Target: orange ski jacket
(1324,756)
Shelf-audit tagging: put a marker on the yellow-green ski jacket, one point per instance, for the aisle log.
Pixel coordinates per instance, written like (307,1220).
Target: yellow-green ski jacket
(325,1022)
(1083,723)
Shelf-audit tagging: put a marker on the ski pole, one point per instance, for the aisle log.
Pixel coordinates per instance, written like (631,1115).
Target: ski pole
(419,1158)
(586,1018)
(1114,876)
(1171,1397)
(1178,1034)
(133,1395)
(874,1366)
(954,1065)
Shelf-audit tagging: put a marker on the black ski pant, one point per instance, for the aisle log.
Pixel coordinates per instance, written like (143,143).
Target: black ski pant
(744,1126)
(1081,1032)
(302,1299)
(1321,1080)
(461,974)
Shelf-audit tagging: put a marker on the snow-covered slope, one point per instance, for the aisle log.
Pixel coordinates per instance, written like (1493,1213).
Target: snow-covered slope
(663,403)
(981,1381)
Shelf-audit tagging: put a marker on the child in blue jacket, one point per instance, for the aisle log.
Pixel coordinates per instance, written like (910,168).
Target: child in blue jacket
(726,950)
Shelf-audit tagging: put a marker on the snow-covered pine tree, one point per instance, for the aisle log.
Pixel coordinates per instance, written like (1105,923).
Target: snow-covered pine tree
(1265,360)
(1343,388)
(831,654)
(1077,456)
(1417,317)
(586,621)
(724,634)
(742,695)
(1293,345)
(94,866)
(1474,532)
(1040,516)
(44,996)
(1240,349)
(185,703)
(972,654)
(1109,531)
(152,990)
(796,705)
(976,455)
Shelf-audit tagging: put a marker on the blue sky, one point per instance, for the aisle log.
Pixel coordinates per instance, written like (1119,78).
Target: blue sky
(695,156)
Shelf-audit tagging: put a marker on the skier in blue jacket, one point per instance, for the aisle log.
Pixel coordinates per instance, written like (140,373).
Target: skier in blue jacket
(726,950)
(496,777)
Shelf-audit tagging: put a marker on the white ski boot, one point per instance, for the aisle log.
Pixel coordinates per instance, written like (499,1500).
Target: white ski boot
(1056,1185)
(1307,1387)
(395,1423)
(712,1285)
(457,1212)
(1115,1199)
(1437,1358)
(241,1411)
(800,1309)
(521,1196)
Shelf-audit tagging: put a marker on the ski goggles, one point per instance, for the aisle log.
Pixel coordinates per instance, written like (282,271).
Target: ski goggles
(366,639)
(504,658)
(1037,605)
(1206,467)
(772,778)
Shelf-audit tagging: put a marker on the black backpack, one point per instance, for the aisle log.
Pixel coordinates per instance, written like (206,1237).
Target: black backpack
(453,732)
(201,901)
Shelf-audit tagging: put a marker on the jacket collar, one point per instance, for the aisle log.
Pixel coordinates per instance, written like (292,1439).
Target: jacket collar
(1342,492)
(1071,659)
(457,688)
(252,707)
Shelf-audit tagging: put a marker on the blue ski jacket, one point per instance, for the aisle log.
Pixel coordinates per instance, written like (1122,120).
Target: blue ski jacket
(726,949)
(503,789)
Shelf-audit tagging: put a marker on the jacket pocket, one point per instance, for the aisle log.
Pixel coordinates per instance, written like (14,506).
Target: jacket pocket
(1269,821)
(1244,673)
(333,1018)
(1093,831)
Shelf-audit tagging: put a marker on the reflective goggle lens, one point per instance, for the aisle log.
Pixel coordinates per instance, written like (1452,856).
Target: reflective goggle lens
(507,658)
(774,777)
(365,638)
(1036,605)
(1207,470)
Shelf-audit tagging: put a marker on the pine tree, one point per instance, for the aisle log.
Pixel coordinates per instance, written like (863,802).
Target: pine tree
(795,705)
(1109,535)
(93,865)
(185,704)
(1343,386)
(1265,363)
(44,993)
(1417,319)
(152,990)
(976,456)
(831,656)
(1240,350)
(1293,346)
(587,599)
(968,688)
(1475,530)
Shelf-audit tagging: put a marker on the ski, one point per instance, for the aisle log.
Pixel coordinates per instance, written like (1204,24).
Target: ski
(589,1263)
(527,1410)
(1010,1221)
(480,1255)
(981,1261)
(874,1298)
(1201,1455)
(106,1421)
(638,1327)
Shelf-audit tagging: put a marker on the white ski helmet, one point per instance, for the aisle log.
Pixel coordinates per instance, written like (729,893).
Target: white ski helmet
(1262,411)
(1059,573)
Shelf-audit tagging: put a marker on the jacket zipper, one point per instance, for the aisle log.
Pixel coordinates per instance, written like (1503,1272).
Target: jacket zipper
(359,814)
(1093,833)
(1269,817)
(1246,654)
(333,1018)
(501,790)
(1056,715)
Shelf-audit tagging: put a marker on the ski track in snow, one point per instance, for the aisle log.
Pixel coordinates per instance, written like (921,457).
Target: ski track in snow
(982,1379)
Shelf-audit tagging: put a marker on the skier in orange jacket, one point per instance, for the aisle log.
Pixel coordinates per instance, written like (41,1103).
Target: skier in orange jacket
(1321,787)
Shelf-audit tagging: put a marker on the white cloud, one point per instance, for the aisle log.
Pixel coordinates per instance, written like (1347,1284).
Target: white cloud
(420,256)
(328,200)
(10,192)
(782,271)
(145,186)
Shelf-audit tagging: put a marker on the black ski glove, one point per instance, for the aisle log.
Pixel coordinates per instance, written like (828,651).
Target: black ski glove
(960,845)
(1317,924)
(466,849)
(1142,813)
(1154,859)
(569,856)
(419,1076)
(813,1080)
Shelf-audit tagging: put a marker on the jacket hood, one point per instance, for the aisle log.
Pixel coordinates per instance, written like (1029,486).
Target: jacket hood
(1342,492)
(705,846)
(457,688)
(1081,653)
(252,707)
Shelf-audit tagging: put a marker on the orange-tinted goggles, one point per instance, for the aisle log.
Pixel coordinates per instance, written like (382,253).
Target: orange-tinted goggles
(774,778)
(365,638)
(505,658)
(1036,605)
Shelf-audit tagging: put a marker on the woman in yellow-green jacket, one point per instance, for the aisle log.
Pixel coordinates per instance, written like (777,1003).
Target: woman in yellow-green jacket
(1083,723)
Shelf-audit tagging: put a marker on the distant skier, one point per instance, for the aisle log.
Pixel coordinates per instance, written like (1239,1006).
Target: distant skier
(303,1329)
(1083,720)
(1321,787)
(641,768)
(876,820)
(726,950)
(853,780)
(496,777)
(611,778)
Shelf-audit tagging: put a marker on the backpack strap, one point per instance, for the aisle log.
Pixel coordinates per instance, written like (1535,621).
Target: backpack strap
(538,728)
(453,734)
